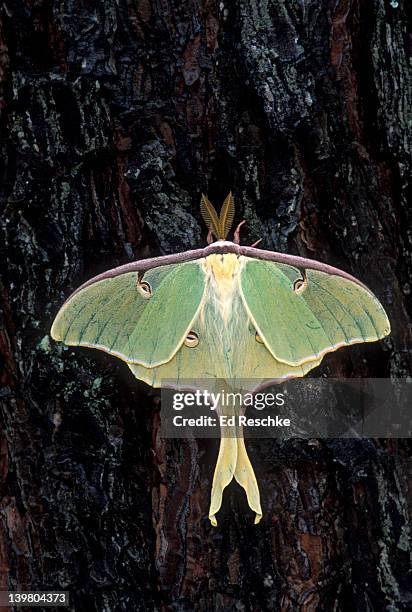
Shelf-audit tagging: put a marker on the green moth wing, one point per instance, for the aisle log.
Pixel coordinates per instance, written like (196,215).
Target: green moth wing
(301,317)
(140,321)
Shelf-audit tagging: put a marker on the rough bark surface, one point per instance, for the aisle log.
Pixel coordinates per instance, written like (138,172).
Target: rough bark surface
(115,116)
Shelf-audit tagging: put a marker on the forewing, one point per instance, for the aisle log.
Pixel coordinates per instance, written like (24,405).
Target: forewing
(325,313)
(113,315)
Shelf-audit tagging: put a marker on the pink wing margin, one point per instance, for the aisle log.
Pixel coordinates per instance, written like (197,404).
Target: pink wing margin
(222,247)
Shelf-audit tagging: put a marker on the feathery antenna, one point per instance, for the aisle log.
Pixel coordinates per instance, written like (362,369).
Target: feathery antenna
(227,215)
(209,215)
(219,225)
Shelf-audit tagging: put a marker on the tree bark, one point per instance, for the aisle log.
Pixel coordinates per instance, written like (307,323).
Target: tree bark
(116,116)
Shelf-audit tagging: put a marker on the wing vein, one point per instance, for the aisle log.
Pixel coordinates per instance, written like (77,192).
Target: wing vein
(342,307)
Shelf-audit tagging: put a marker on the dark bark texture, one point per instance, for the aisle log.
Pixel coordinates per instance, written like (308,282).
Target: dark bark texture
(115,116)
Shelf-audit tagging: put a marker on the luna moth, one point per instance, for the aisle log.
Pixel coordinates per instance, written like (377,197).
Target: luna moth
(223,312)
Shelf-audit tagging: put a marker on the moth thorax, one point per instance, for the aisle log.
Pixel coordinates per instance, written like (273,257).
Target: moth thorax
(223,279)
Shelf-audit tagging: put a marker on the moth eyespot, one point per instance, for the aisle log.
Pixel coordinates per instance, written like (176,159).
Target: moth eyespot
(145,289)
(192,339)
(300,285)
(258,338)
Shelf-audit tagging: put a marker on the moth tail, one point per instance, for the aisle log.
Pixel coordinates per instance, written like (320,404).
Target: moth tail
(224,472)
(245,476)
(233,461)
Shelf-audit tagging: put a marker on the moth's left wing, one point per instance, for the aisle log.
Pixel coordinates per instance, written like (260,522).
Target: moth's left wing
(301,316)
(140,321)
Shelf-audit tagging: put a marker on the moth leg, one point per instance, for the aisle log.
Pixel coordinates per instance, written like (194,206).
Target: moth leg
(209,237)
(245,476)
(224,471)
(236,236)
(256,243)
